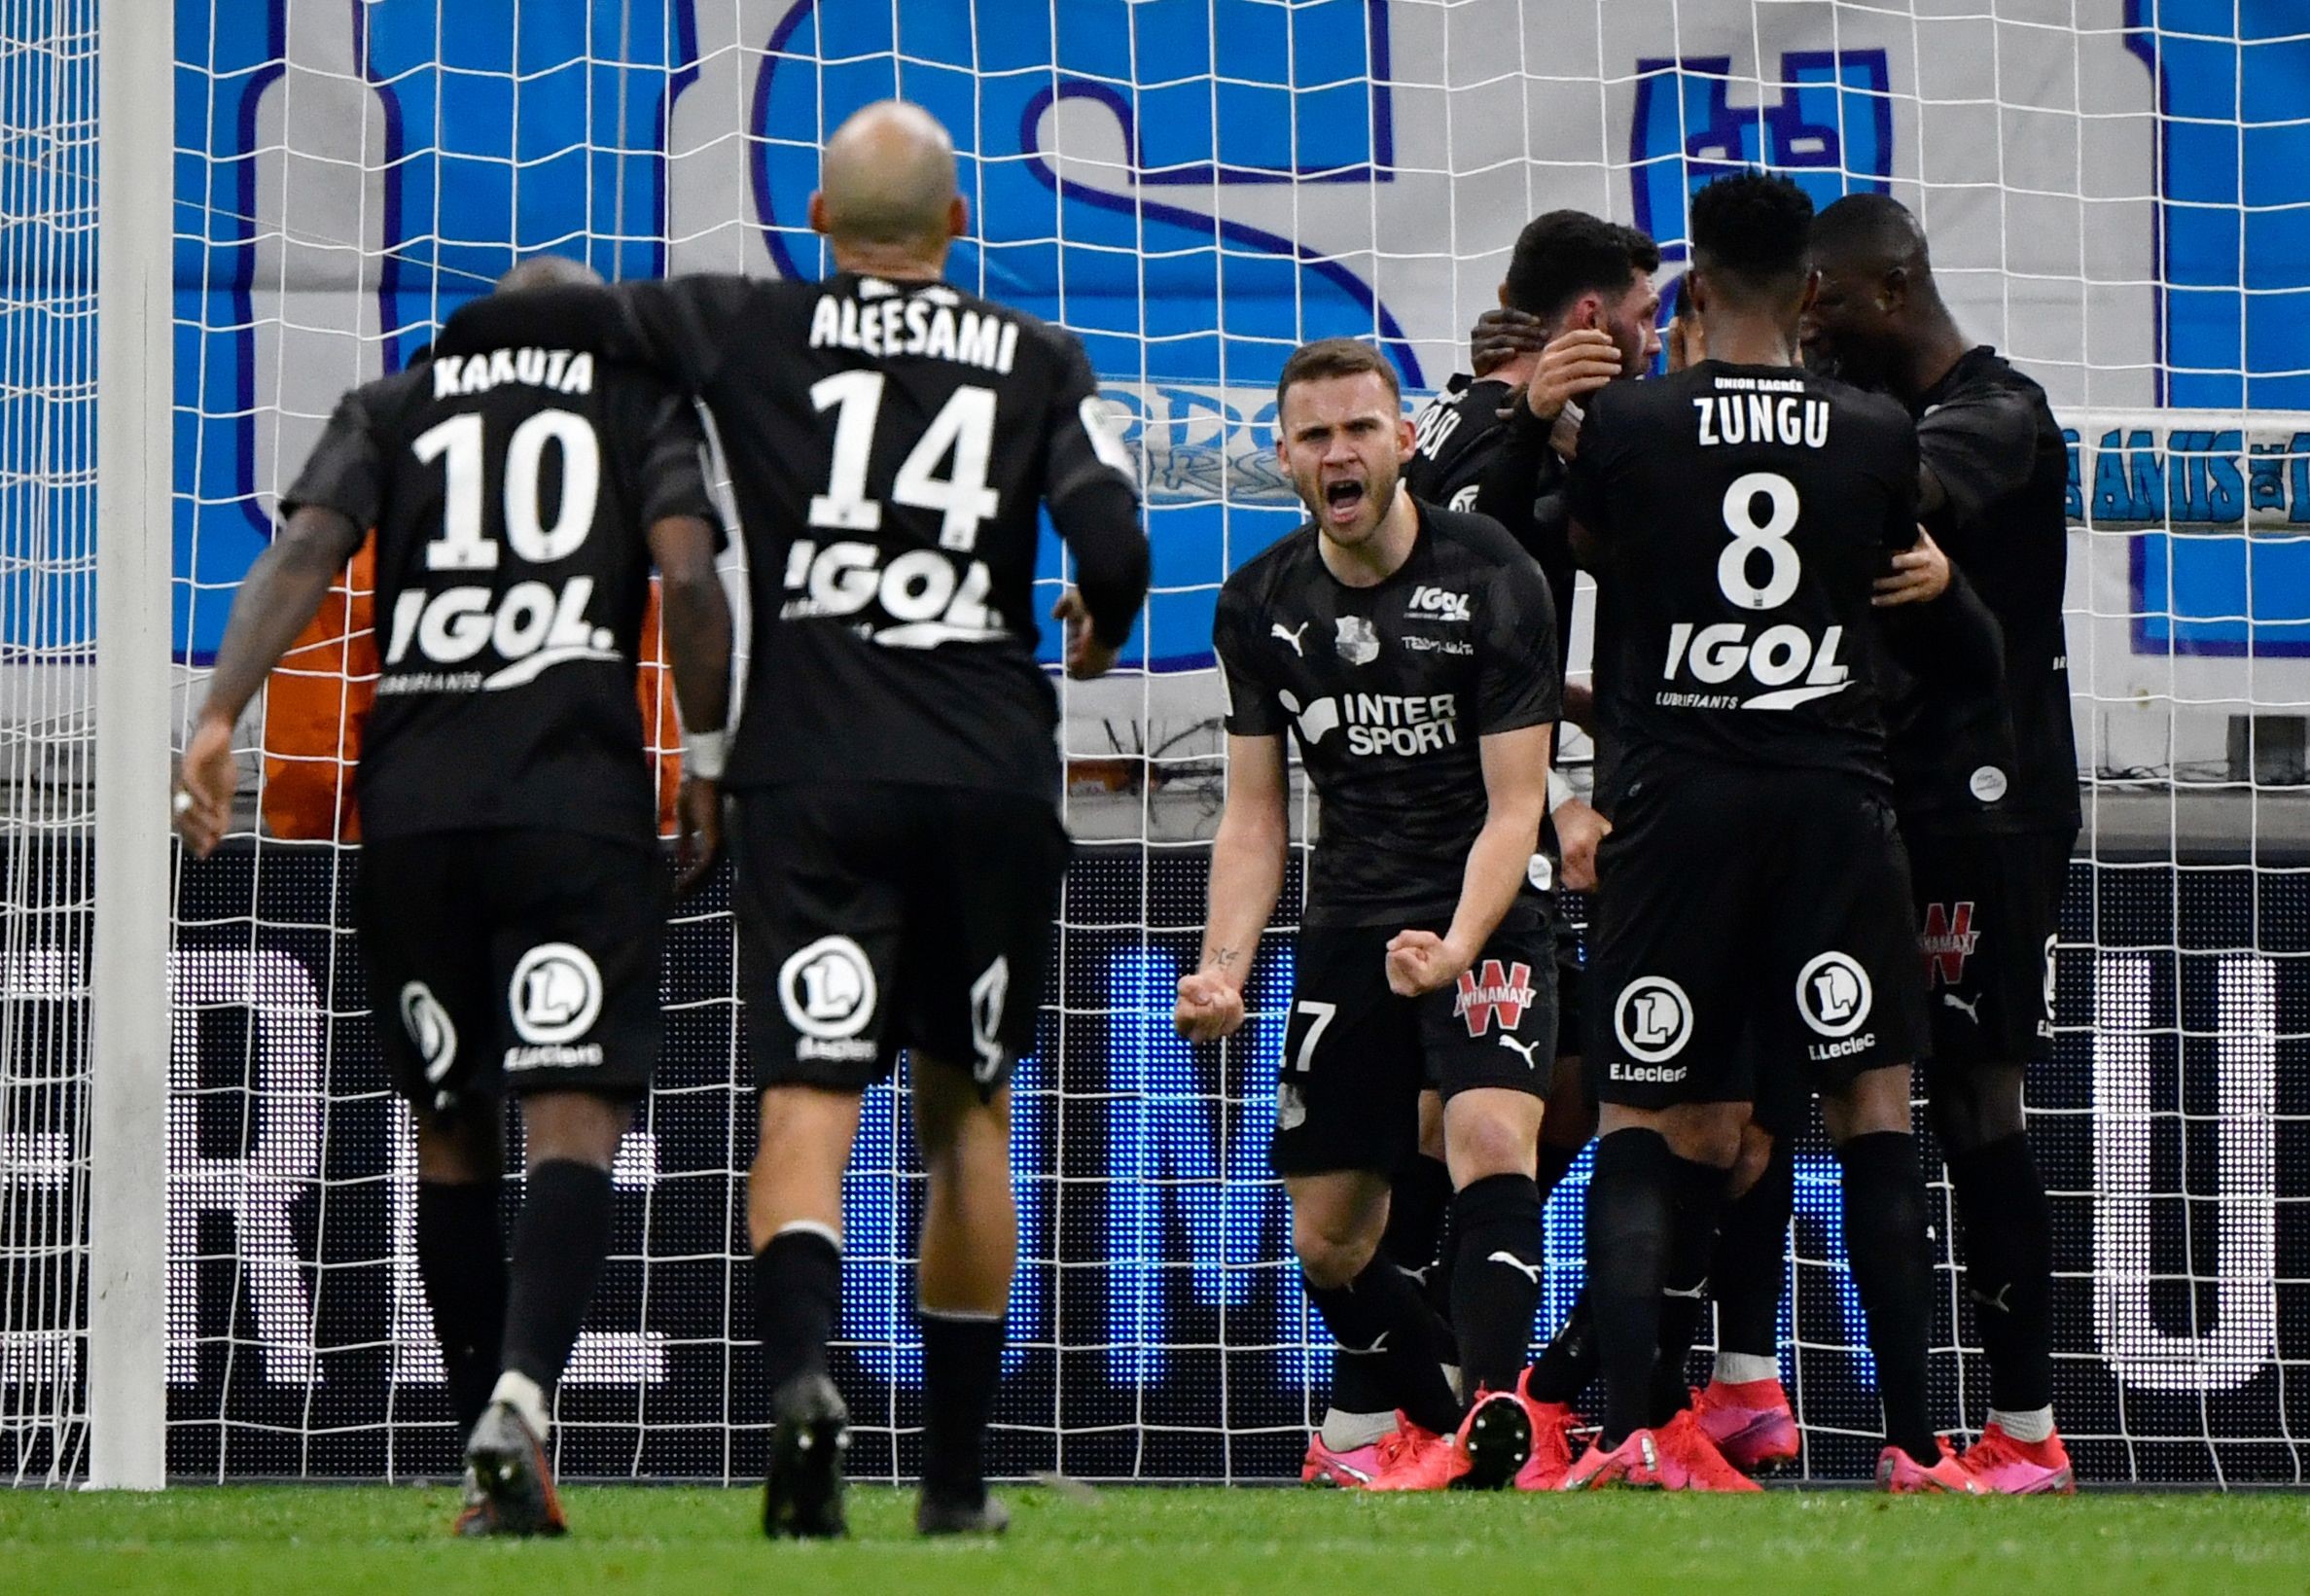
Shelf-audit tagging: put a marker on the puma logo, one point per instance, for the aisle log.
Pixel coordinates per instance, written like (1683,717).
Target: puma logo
(1530,1271)
(1372,1351)
(1971,1011)
(1292,637)
(1698,1291)
(1527,1048)
(1998,1301)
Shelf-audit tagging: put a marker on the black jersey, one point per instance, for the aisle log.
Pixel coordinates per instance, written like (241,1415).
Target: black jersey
(889,444)
(1388,691)
(511,492)
(1741,514)
(1470,457)
(1987,434)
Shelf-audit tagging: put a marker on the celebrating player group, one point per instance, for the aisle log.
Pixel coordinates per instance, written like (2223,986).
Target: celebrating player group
(1830,716)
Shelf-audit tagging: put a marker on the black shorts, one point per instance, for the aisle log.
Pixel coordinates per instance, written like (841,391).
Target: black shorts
(1988,914)
(524,960)
(874,916)
(1356,1055)
(1752,925)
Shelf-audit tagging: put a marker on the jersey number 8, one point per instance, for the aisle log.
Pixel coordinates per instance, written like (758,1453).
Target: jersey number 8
(462,546)
(1769,537)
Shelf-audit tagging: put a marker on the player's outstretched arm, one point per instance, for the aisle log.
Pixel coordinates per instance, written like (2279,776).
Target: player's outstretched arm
(1516,793)
(277,599)
(1247,862)
(1093,499)
(698,634)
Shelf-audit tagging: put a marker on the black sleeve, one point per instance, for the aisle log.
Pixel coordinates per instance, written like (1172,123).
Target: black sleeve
(1253,709)
(1901,515)
(680,326)
(1518,681)
(1954,643)
(1089,487)
(346,470)
(1585,478)
(673,478)
(1979,447)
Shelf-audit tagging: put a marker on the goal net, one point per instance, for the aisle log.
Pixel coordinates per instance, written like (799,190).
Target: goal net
(2117,193)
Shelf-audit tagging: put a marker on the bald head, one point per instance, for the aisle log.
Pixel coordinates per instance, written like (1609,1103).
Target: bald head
(1876,316)
(888,183)
(1871,232)
(548,271)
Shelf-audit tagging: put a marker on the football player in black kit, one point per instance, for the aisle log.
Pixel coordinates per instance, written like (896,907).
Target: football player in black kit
(895,776)
(512,902)
(1412,651)
(1985,784)
(1582,290)
(1755,903)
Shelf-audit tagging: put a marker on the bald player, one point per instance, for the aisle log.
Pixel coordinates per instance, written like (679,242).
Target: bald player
(1985,784)
(895,776)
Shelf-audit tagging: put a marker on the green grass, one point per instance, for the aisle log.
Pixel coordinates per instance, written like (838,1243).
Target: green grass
(274,1541)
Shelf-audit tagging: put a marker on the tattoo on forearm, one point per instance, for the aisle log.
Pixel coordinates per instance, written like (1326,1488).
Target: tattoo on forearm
(1221,958)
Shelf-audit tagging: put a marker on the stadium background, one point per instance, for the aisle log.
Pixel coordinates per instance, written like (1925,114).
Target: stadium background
(2116,196)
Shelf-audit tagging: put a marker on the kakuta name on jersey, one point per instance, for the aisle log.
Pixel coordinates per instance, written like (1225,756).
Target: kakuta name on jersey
(915,325)
(556,369)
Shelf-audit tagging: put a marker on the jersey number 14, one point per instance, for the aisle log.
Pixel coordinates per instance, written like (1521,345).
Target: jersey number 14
(964,427)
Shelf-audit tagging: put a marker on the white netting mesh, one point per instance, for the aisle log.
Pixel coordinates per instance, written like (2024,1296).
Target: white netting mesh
(48,368)
(2115,198)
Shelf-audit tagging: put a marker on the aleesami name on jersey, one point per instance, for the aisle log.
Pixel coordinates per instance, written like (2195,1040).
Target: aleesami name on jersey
(1742,513)
(1388,692)
(1987,434)
(889,442)
(511,490)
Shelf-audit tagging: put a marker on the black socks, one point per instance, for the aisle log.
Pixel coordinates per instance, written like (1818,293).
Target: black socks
(798,1291)
(461,1260)
(2009,1269)
(562,1244)
(1382,1316)
(1495,1279)
(1884,1205)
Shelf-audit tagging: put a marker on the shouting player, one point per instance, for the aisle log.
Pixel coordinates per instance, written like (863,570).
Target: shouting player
(1986,785)
(1412,651)
(1755,902)
(511,904)
(896,778)
(1576,311)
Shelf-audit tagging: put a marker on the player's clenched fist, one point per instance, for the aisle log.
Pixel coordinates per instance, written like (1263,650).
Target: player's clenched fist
(1210,1007)
(1420,961)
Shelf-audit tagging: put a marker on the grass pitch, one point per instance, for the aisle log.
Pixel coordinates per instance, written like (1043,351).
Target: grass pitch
(362,1542)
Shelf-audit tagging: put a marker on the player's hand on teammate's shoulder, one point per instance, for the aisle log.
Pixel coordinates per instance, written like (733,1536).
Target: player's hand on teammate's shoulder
(1920,575)
(1085,656)
(1210,1005)
(1421,962)
(203,801)
(1500,336)
(697,839)
(1578,828)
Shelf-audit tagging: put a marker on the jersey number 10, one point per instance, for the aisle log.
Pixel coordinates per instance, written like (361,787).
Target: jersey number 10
(462,545)
(965,427)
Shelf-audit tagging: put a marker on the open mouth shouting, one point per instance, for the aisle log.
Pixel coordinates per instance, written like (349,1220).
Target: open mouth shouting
(1344,499)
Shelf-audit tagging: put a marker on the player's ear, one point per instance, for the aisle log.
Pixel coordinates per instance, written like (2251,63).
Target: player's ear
(1586,311)
(1812,292)
(1407,442)
(1503,293)
(817,212)
(958,217)
(1894,293)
